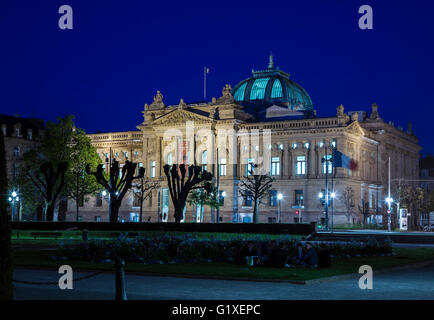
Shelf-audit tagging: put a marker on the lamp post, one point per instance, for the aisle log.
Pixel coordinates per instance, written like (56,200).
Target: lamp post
(389,201)
(333,196)
(279,197)
(14,198)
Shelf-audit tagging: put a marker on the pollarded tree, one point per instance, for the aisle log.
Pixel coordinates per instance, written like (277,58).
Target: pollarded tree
(348,197)
(117,184)
(256,186)
(142,189)
(180,184)
(6,268)
(80,184)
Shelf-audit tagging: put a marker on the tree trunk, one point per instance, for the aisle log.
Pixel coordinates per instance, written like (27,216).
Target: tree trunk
(141,209)
(77,210)
(49,213)
(113,209)
(178,213)
(255,211)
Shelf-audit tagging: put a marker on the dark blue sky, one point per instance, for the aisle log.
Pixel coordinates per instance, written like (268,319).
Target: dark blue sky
(120,52)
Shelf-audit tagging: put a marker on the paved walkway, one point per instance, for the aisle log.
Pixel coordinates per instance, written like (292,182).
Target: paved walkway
(415,284)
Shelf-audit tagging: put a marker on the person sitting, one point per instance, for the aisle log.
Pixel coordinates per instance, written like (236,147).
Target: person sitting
(246,251)
(298,259)
(310,258)
(324,259)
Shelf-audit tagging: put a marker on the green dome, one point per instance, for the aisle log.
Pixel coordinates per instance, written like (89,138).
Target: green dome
(272,87)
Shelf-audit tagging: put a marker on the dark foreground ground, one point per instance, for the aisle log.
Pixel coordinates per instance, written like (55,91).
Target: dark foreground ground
(415,284)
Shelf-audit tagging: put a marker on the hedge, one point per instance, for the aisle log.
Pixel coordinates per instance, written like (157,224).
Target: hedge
(268,228)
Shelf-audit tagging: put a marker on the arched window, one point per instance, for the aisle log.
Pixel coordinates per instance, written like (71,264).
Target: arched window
(276,91)
(204,160)
(170,159)
(258,89)
(239,94)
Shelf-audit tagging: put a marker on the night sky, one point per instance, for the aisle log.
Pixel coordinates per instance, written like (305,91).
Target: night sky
(120,52)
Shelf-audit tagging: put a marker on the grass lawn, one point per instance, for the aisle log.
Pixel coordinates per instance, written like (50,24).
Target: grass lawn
(339,266)
(25,237)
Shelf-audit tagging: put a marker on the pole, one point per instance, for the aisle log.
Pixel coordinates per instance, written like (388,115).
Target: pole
(326,191)
(120,280)
(333,187)
(278,212)
(204,83)
(388,212)
(218,188)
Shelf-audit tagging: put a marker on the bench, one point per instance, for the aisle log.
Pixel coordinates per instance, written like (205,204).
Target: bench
(130,234)
(46,234)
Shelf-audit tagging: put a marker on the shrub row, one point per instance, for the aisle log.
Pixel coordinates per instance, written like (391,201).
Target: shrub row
(270,228)
(185,249)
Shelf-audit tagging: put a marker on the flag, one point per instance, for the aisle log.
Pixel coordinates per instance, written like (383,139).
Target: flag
(343,161)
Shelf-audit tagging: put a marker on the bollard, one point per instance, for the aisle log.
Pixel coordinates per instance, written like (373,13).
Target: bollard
(85,235)
(120,280)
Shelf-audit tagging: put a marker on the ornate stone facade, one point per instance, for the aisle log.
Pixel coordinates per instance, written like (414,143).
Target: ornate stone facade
(224,137)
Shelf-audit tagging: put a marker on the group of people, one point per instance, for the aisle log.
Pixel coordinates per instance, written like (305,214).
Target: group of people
(276,255)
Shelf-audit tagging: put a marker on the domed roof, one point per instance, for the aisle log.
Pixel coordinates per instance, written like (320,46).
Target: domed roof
(272,87)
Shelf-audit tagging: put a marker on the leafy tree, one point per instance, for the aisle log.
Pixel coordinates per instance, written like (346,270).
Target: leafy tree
(6,267)
(256,186)
(117,184)
(201,197)
(142,190)
(180,184)
(80,184)
(45,167)
(348,197)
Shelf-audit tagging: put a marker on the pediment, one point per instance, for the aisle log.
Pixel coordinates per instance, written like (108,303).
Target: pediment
(355,128)
(180,117)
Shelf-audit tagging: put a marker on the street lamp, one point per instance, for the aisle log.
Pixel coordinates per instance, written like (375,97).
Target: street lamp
(389,201)
(333,196)
(279,197)
(104,193)
(13,199)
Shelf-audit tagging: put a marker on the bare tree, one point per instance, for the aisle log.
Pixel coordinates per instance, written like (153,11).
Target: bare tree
(180,184)
(348,197)
(118,183)
(142,189)
(256,186)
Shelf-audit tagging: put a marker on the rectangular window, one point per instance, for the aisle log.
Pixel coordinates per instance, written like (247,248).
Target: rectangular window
(248,200)
(80,218)
(273,198)
(98,202)
(249,167)
(97,218)
(301,165)
(298,197)
(136,218)
(153,165)
(272,220)
(275,166)
(221,198)
(222,167)
(327,164)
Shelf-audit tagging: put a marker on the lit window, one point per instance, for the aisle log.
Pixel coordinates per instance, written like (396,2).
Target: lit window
(301,165)
(223,167)
(276,90)
(97,218)
(153,169)
(239,94)
(294,146)
(321,144)
(29,134)
(273,198)
(170,159)
(126,154)
(204,160)
(298,197)
(256,148)
(326,165)
(306,145)
(4,130)
(248,200)
(281,146)
(275,166)
(249,166)
(258,89)
(334,144)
